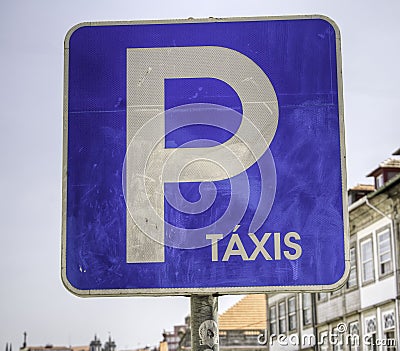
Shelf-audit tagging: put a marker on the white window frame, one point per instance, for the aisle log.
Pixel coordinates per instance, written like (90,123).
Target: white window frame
(323,338)
(273,321)
(393,319)
(380,181)
(307,307)
(338,345)
(379,234)
(282,318)
(292,314)
(369,260)
(389,329)
(353,336)
(370,333)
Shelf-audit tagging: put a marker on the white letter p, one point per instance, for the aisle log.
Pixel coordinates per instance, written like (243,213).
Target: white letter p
(148,164)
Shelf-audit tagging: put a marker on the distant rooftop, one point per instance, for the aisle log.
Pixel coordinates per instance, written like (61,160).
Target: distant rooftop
(47,348)
(363,187)
(389,163)
(359,191)
(250,313)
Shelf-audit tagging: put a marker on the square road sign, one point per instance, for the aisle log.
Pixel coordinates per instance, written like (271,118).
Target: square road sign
(204,156)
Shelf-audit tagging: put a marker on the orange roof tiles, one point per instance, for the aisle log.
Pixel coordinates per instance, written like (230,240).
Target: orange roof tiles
(249,313)
(80,348)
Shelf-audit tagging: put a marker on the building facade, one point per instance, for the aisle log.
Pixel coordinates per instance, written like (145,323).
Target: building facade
(365,313)
(291,321)
(240,327)
(173,338)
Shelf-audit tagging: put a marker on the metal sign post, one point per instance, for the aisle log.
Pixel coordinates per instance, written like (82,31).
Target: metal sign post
(204,322)
(204,157)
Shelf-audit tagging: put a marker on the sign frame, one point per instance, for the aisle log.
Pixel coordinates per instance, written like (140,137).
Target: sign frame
(208,290)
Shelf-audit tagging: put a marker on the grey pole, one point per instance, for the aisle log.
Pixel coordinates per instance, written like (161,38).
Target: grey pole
(204,322)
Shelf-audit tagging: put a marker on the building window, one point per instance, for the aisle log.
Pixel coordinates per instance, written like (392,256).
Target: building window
(388,320)
(292,311)
(324,341)
(380,181)
(390,341)
(370,333)
(307,312)
(367,261)
(337,340)
(352,281)
(391,174)
(282,317)
(322,296)
(272,321)
(353,337)
(384,252)
(388,323)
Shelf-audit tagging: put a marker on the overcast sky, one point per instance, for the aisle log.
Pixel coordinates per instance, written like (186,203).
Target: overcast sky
(32,33)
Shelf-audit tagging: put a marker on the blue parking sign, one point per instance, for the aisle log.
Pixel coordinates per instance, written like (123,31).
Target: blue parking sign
(204,156)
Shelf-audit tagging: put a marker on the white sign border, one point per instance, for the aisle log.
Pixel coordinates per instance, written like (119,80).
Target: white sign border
(212,290)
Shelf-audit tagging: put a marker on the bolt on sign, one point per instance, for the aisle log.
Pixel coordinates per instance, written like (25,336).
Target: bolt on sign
(204,156)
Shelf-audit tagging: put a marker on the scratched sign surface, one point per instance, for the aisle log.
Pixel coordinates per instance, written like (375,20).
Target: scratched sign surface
(204,156)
